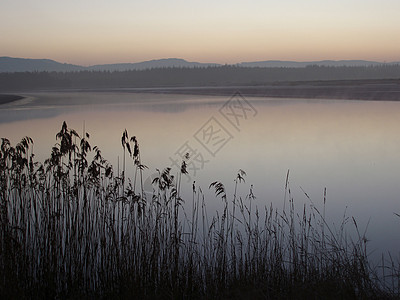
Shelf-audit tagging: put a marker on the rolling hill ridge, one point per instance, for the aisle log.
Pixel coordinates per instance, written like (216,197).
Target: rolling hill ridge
(11,64)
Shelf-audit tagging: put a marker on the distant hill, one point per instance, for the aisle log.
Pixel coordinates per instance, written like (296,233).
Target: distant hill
(151,64)
(10,64)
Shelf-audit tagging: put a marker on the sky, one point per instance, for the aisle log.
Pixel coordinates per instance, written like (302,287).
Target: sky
(89,32)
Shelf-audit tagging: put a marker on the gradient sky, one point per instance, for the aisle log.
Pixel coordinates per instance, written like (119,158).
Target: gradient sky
(102,31)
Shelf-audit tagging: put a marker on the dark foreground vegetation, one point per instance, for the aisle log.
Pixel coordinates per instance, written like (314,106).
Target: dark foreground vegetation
(193,77)
(72,228)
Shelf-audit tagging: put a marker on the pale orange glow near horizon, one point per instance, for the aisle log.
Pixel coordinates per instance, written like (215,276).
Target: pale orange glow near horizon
(88,32)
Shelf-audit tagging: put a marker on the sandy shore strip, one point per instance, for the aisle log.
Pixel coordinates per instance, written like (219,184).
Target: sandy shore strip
(5,98)
(375,90)
(369,89)
(379,90)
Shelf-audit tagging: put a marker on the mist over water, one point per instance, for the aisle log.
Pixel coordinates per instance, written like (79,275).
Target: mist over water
(351,148)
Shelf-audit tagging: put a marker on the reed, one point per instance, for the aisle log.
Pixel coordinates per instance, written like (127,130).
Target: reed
(72,228)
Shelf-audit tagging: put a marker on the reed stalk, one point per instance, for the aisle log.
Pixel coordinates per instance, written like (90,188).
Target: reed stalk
(70,228)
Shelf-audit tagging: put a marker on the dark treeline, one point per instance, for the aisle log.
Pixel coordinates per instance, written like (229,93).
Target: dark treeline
(177,77)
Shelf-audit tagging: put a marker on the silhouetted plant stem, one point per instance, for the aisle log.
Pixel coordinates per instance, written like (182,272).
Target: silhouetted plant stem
(88,233)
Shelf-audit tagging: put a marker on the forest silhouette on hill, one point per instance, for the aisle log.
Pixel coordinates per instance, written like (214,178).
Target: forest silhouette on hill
(227,75)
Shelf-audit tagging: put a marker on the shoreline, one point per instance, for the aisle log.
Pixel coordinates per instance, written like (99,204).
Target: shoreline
(7,98)
(372,90)
(368,90)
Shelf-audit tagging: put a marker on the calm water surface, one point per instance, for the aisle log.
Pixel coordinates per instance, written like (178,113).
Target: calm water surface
(351,148)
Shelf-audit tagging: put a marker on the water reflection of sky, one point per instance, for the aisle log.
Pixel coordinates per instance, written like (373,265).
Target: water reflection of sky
(43,105)
(349,147)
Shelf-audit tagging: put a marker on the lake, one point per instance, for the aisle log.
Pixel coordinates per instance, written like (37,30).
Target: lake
(351,148)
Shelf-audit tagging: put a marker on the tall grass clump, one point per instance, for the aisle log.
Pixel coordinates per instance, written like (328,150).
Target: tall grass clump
(72,228)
